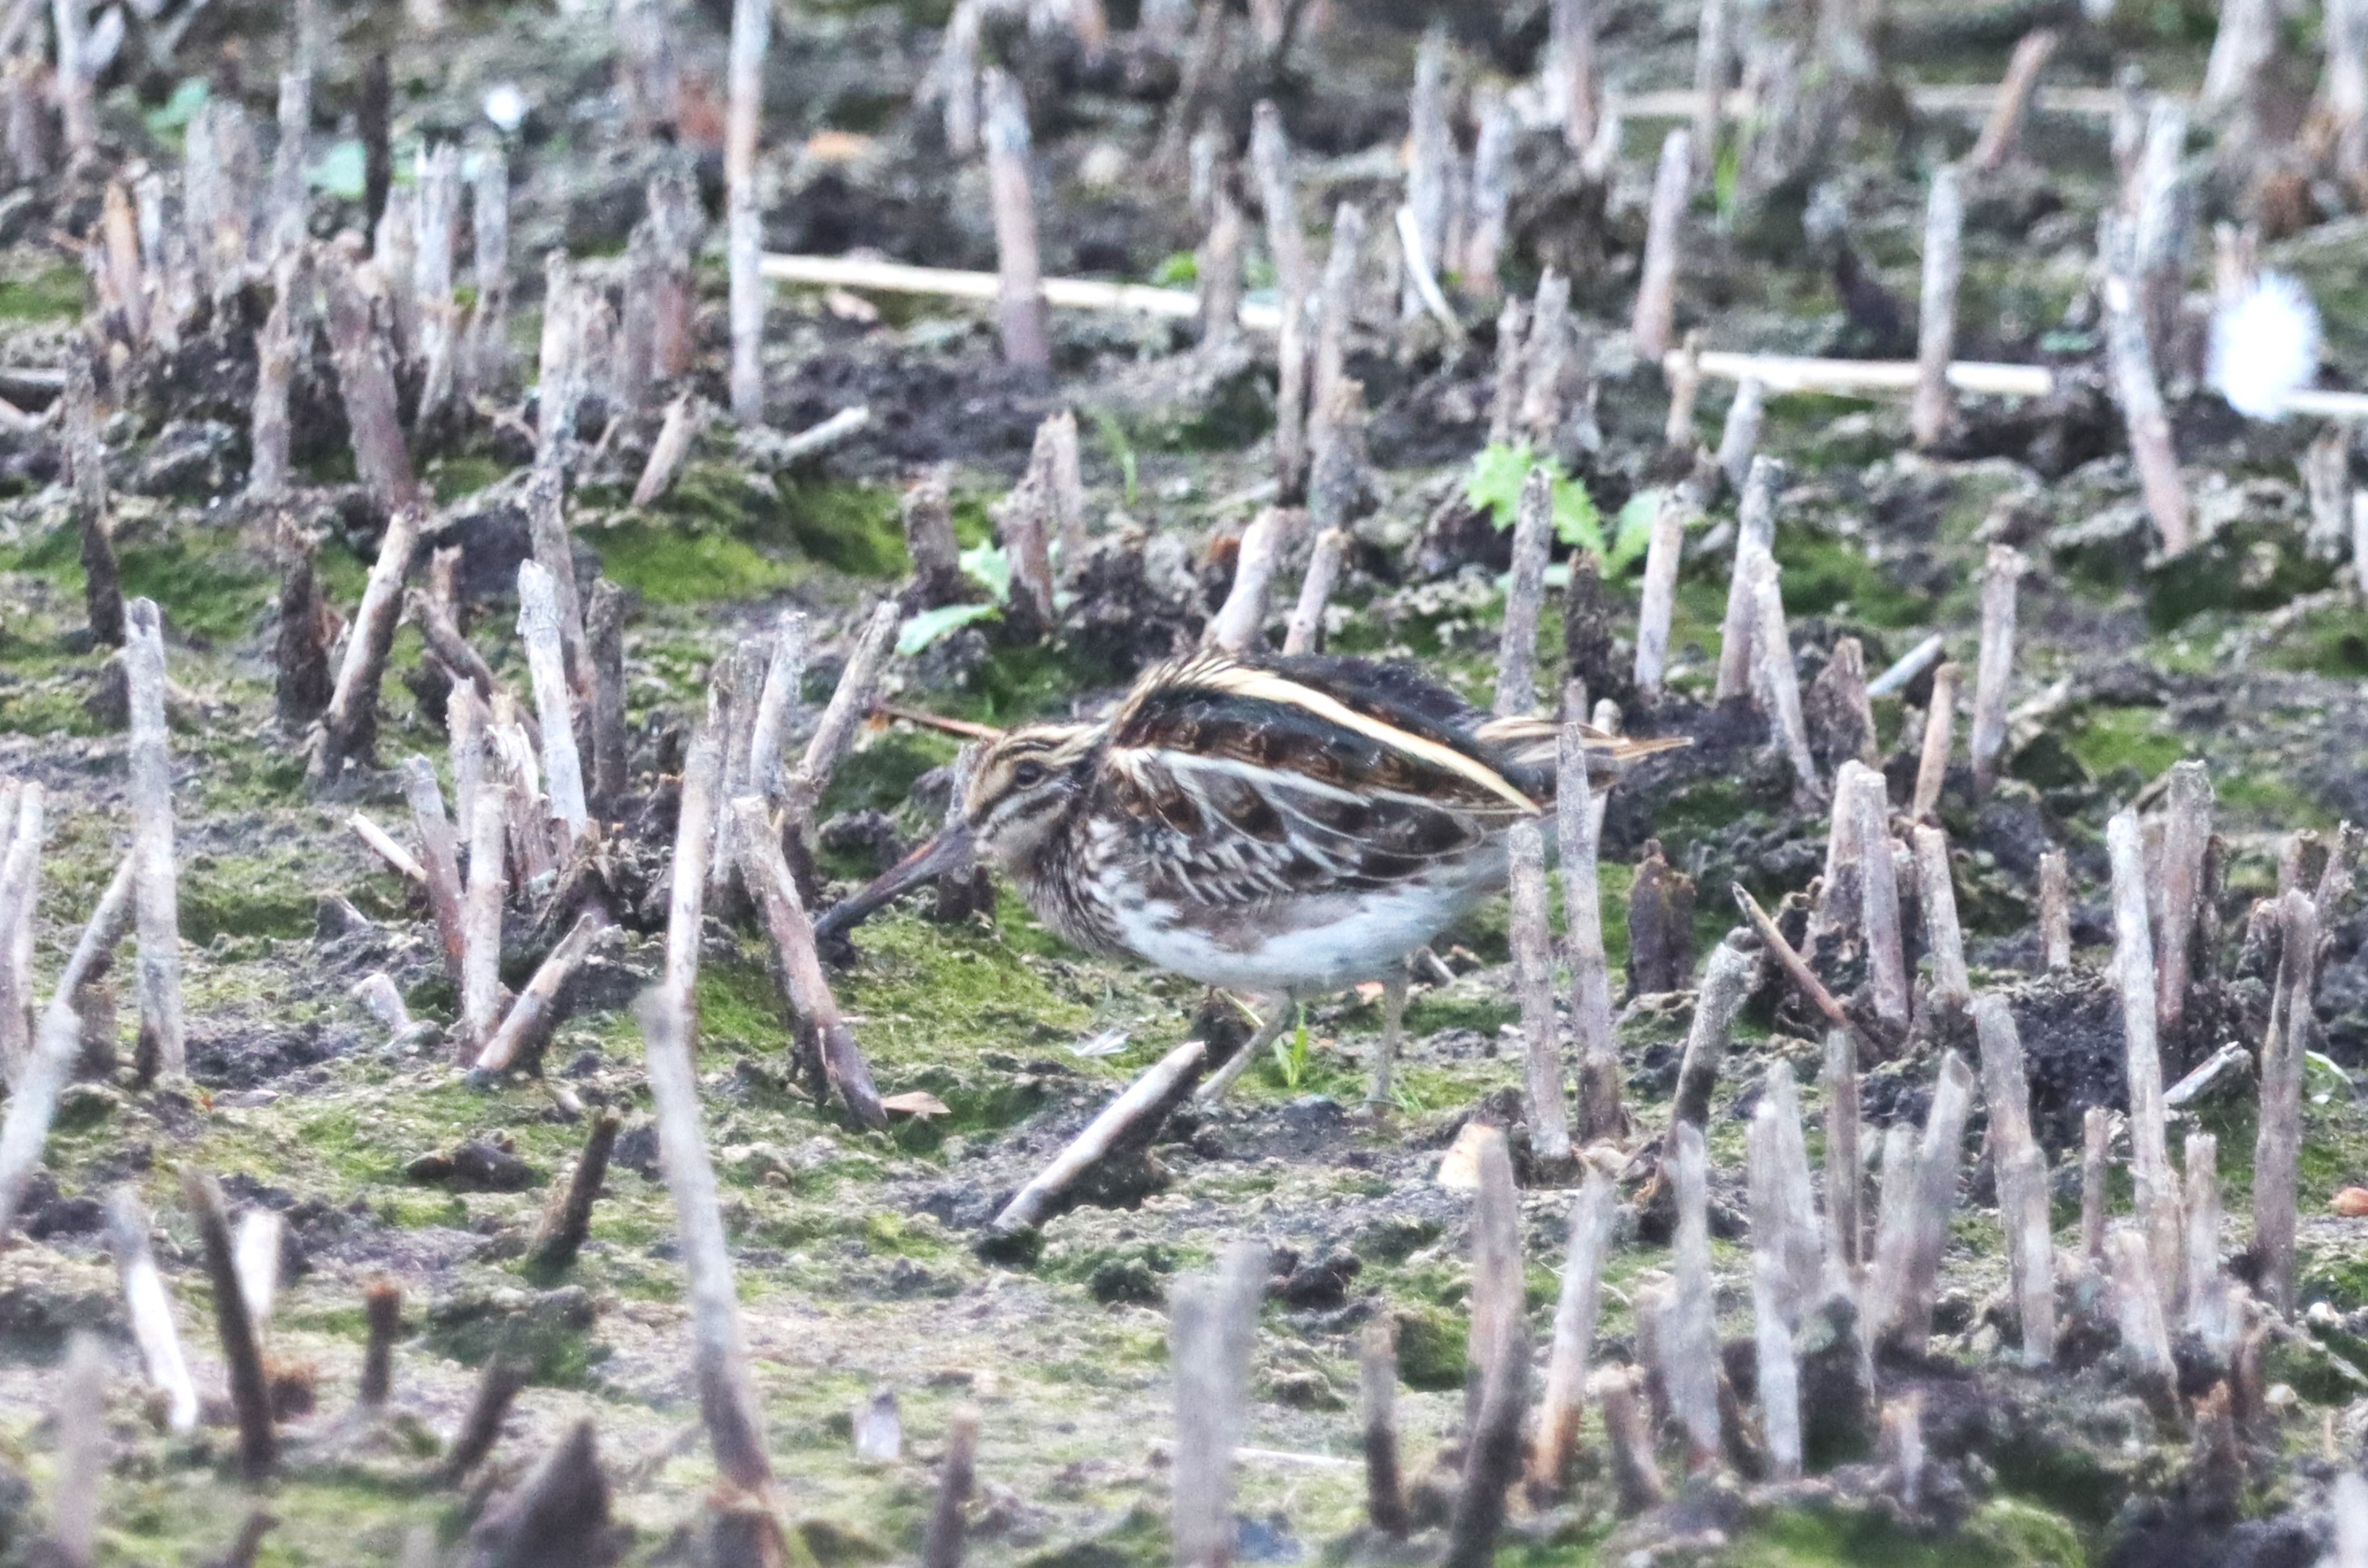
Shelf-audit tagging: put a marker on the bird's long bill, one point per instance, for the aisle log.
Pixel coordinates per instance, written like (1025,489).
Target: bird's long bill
(949,851)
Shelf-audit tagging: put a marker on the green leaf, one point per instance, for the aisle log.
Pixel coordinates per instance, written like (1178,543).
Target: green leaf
(338,171)
(926,628)
(1577,521)
(1181,270)
(1633,532)
(989,564)
(188,97)
(1493,485)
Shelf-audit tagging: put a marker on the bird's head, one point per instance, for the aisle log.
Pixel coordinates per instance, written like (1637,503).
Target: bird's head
(1018,785)
(1010,791)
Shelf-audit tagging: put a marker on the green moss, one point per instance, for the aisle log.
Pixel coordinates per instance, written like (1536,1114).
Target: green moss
(1824,576)
(246,896)
(2139,739)
(2325,642)
(56,294)
(1431,1348)
(852,528)
(215,594)
(2000,1534)
(464,474)
(667,567)
(880,777)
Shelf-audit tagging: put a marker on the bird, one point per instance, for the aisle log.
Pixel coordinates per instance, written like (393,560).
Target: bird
(1281,827)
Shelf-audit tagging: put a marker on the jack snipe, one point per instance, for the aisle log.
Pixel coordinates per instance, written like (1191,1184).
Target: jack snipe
(1280,827)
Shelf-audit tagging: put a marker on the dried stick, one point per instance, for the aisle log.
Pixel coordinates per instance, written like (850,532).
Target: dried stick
(1939,738)
(1953,986)
(1573,94)
(32,1101)
(1845,1226)
(1579,834)
(381,1326)
(1516,658)
(1492,192)
(1777,677)
(250,1390)
(559,1513)
(1020,309)
(1546,353)
(440,858)
(1335,304)
(2096,1141)
(532,1017)
(1511,370)
(566,1225)
(275,363)
(480,948)
(1739,436)
(604,636)
(257,1255)
(85,454)
(150,1309)
(1430,150)
(2001,134)
(1655,316)
(349,727)
(767,870)
(1994,668)
(2277,1145)
(1688,1338)
(1136,1112)
(1713,65)
(1783,1209)
(20,878)
(80,1420)
(2186,840)
(438,347)
(481,1427)
(365,365)
(1635,1473)
(1658,600)
(1907,1259)
(2021,1172)
(850,701)
(1682,371)
(1755,536)
(1908,666)
(1237,626)
(2055,910)
(942,1546)
(1795,968)
(489,222)
(1934,405)
(538,625)
(1879,893)
(1306,627)
(694,833)
(151,767)
(1545,1092)
(680,427)
(727,1395)
(1377,1386)
(2131,362)
(1218,270)
(1574,1335)
(2134,976)
(1211,1328)
(1727,984)
(554,552)
(752,29)
(401,861)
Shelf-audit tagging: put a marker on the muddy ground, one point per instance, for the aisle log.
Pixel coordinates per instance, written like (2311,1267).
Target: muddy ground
(855,1251)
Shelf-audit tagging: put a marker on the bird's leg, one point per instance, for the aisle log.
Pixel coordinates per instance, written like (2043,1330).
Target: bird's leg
(1393,1000)
(1279,1017)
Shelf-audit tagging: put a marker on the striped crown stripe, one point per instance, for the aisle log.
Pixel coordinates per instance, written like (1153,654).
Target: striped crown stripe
(1257,686)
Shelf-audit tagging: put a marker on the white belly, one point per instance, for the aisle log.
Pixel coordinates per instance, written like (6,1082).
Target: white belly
(1309,945)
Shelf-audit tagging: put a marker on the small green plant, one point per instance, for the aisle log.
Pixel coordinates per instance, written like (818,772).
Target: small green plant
(1290,1054)
(987,564)
(1498,471)
(1122,451)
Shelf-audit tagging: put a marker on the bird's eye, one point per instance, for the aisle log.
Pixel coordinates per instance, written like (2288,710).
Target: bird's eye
(1027,774)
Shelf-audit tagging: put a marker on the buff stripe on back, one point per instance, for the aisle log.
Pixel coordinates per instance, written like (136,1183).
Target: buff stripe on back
(1257,686)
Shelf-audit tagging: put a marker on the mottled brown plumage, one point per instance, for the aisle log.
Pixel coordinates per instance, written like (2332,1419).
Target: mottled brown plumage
(1283,827)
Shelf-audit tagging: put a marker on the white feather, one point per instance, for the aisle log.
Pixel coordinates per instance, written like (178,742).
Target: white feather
(2264,346)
